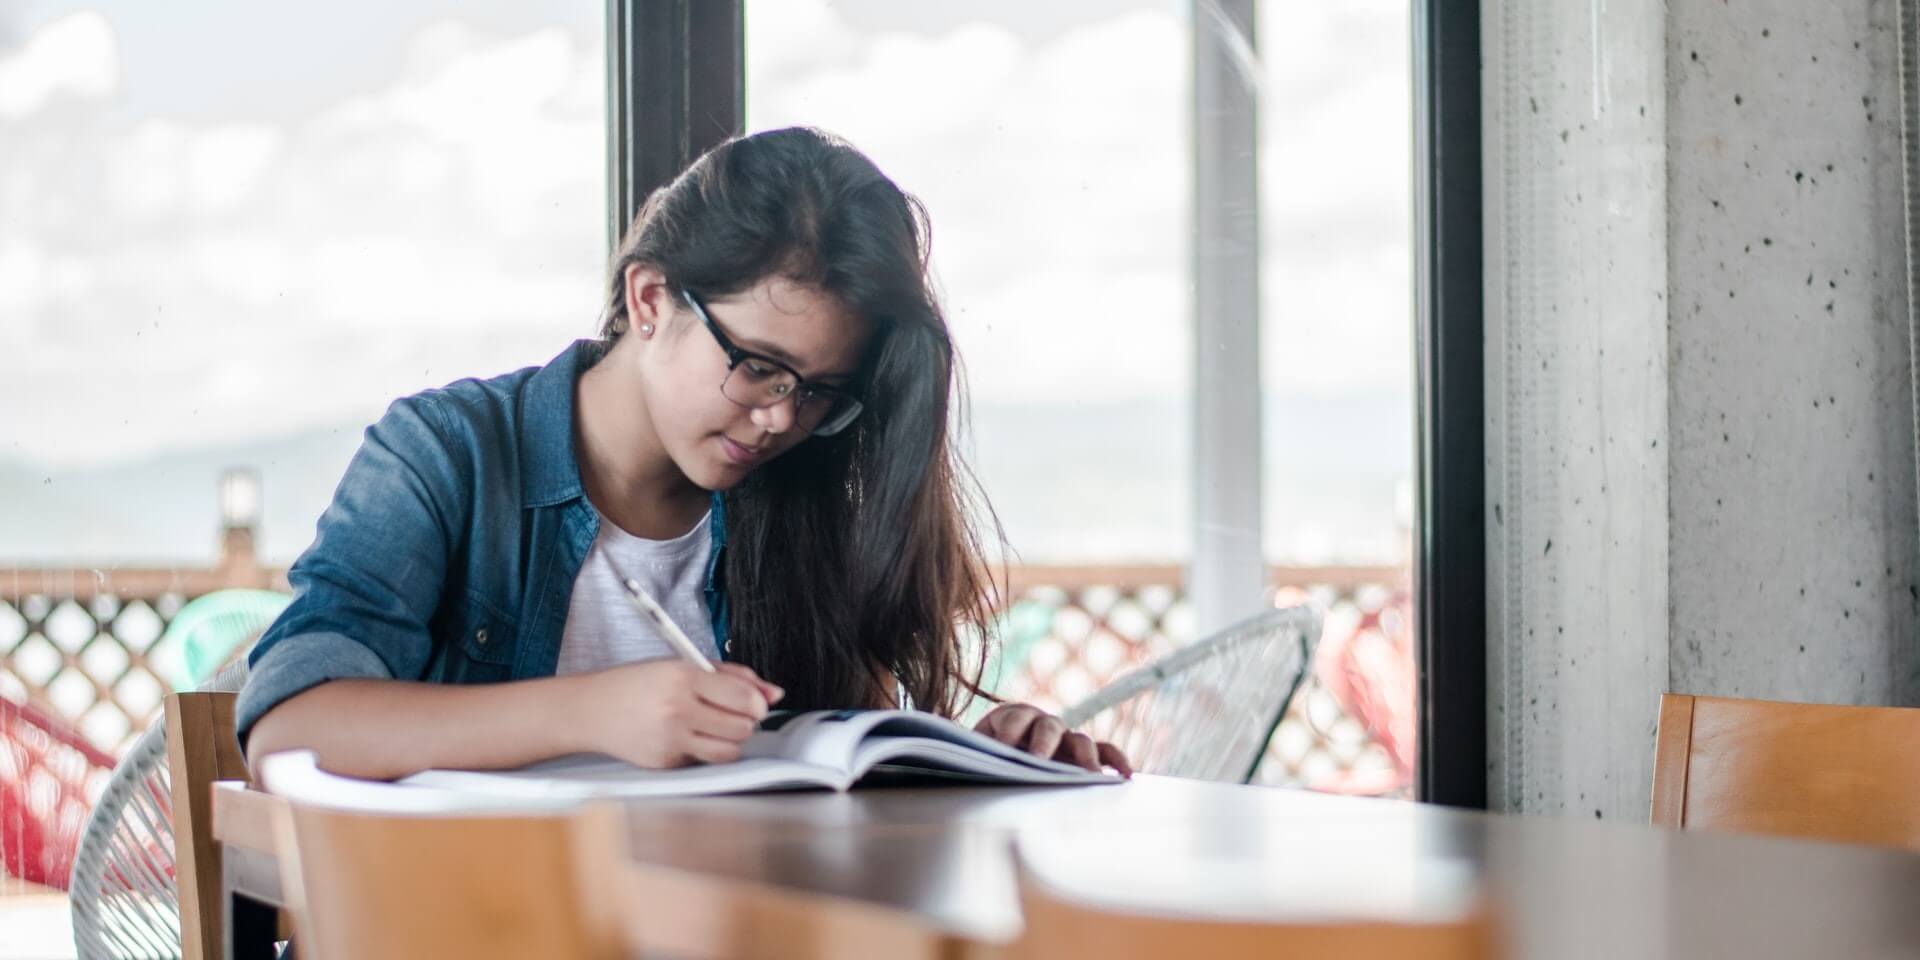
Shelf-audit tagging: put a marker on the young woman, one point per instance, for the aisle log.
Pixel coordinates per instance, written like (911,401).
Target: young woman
(759,437)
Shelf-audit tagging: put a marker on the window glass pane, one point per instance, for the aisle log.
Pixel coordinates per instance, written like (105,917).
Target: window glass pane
(1337,343)
(235,231)
(1052,146)
(1048,142)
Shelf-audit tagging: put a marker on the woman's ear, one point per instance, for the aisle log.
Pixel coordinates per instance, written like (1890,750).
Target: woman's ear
(650,302)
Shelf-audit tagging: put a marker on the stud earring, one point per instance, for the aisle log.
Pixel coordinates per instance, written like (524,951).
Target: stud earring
(646,329)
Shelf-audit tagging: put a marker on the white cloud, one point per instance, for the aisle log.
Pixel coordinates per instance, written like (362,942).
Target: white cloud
(176,282)
(1057,177)
(75,55)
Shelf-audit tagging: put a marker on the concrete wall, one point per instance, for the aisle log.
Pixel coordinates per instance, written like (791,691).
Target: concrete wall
(1670,509)
(1792,487)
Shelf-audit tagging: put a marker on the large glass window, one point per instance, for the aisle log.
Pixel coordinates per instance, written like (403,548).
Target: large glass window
(1048,143)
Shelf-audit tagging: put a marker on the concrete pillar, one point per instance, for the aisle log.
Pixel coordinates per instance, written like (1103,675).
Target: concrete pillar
(1574,126)
(1700,435)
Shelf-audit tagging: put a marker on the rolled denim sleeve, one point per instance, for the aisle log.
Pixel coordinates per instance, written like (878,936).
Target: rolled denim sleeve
(366,590)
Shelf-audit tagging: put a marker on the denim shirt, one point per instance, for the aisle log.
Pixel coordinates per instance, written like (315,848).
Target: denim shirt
(450,549)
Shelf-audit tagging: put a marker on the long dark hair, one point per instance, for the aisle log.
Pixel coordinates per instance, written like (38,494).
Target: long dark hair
(851,555)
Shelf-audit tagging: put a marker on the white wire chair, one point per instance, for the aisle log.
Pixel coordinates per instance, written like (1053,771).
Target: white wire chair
(124,900)
(1207,710)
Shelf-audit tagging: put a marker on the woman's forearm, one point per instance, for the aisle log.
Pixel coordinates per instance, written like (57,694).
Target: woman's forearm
(386,729)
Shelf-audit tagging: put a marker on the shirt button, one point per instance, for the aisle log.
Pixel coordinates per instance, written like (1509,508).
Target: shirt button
(480,636)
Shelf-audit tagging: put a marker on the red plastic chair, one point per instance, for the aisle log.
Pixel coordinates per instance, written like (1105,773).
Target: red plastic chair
(49,775)
(1369,670)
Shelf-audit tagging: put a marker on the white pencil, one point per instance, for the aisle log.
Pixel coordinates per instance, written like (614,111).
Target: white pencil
(677,639)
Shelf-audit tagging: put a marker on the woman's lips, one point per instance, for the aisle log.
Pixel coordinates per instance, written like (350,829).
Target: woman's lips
(742,455)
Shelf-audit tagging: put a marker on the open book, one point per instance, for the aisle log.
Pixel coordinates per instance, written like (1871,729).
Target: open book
(830,749)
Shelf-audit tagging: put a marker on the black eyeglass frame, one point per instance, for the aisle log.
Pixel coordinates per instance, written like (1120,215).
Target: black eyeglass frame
(803,393)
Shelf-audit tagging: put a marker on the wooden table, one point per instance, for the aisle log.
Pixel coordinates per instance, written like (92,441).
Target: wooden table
(928,872)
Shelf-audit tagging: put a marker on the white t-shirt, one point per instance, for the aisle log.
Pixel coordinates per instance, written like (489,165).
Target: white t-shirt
(604,630)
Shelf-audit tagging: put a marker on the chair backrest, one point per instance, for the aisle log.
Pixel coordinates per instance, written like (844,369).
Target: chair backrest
(122,892)
(1207,710)
(215,628)
(1848,774)
(201,748)
(1056,925)
(369,886)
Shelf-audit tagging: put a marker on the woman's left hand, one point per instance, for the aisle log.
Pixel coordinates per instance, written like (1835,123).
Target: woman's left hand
(1043,734)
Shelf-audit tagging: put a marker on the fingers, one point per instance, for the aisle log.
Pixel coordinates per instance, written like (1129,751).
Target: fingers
(1043,738)
(772,692)
(1042,734)
(1078,750)
(704,749)
(1111,756)
(1009,724)
(708,721)
(730,692)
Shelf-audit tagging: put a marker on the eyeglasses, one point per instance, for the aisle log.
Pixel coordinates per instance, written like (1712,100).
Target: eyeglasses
(760,382)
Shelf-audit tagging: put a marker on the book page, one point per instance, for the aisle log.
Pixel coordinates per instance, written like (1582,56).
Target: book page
(586,776)
(825,738)
(856,740)
(903,754)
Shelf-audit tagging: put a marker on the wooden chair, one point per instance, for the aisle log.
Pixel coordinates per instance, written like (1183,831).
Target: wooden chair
(1847,774)
(372,885)
(201,749)
(147,875)
(1057,925)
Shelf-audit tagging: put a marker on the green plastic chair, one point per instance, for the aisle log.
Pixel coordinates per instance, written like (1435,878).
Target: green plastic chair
(208,630)
(1020,628)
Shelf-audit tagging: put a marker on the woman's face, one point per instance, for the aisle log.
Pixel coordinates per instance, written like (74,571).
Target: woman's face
(715,441)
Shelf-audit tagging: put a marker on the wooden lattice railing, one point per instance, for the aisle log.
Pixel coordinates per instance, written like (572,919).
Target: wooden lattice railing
(85,645)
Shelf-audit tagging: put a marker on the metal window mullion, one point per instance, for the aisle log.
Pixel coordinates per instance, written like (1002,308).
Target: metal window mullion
(675,88)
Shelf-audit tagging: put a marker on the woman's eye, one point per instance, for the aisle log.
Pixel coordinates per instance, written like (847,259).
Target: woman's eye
(757,370)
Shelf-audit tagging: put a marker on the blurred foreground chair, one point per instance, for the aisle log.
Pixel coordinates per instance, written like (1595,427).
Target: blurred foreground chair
(1207,710)
(1847,774)
(427,878)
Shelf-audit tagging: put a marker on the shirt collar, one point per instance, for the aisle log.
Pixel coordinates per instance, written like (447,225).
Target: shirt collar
(549,474)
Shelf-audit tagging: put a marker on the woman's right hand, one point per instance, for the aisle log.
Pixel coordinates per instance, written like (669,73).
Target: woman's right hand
(670,713)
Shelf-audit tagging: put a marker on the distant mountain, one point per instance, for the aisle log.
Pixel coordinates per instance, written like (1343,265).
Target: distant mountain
(166,509)
(1095,482)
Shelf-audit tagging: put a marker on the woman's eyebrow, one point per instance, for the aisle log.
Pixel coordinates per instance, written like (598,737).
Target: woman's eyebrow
(765,349)
(774,352)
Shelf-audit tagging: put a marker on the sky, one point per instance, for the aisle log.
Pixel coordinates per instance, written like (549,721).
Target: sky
(215,235)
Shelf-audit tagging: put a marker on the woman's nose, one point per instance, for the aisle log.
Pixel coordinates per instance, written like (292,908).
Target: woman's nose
(776,419)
